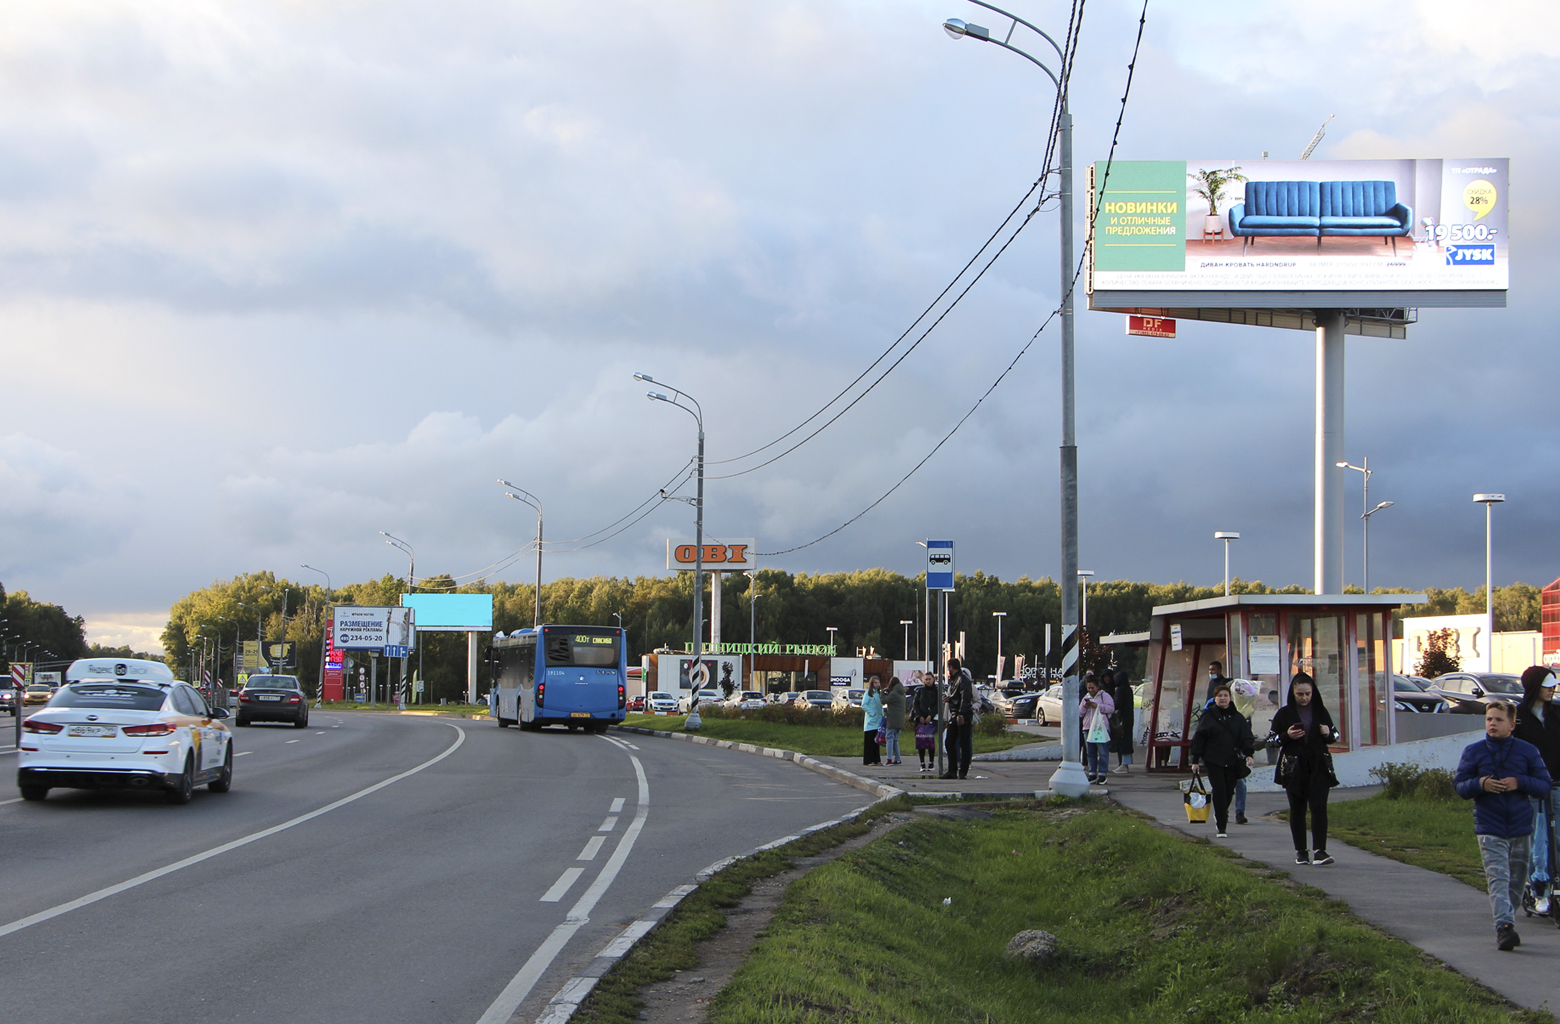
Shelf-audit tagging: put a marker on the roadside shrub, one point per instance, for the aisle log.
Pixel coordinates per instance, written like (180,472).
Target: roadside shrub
(1411,780)
(790,714)
(991,725)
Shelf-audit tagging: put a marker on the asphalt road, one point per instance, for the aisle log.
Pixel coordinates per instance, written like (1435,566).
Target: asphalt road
(481,869)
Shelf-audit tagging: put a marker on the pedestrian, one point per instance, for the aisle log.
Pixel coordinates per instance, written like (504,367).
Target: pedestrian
(1499,774)
(1215,677)
(871,722)
(924,710)
(1304,729)
(961,721)
(893,717)
(1122,722)
(1240,785)
(1223,748)
(1094,711)
(1538,723)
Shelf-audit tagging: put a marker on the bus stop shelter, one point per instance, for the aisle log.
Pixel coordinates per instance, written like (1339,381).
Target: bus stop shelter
(1343,641)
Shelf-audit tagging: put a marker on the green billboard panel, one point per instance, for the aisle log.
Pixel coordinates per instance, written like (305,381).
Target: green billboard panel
(1140,216)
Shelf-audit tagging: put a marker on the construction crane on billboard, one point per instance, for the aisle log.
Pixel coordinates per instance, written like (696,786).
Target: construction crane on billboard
(1321,133)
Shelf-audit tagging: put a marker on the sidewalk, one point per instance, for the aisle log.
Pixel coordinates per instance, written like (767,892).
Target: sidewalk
(1442,916)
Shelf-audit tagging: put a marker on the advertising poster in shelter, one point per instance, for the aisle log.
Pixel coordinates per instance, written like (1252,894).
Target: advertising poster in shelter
(1234,225)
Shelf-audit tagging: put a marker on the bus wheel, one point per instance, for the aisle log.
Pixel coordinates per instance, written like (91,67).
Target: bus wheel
(574,728)
(503,723)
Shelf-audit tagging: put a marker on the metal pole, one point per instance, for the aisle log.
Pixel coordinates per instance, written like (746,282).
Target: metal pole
(1489,590)
(1365,569)
(536,615)
(1226,567)
(698,557)
(1329,451)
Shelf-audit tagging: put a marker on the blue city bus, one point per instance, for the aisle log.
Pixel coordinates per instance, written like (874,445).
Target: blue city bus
(575,676)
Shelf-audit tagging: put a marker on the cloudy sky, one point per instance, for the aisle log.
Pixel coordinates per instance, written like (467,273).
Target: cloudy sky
(276,276)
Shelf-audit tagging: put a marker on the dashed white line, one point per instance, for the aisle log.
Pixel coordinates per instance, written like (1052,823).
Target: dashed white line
(609,824)
(292,741)
(592,847)
(13,800)
(241,753)
(319,734)
(617,805)
(561,886)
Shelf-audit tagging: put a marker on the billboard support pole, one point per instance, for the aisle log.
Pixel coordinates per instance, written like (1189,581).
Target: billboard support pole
(1329,450)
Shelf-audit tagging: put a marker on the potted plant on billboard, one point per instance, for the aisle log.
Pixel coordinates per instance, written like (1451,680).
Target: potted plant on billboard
(1208,184)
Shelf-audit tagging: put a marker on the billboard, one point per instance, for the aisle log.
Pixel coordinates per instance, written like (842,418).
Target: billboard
(356,628)
(1299,233)
(451,613)
(280,655)
(729,556)
(677,671)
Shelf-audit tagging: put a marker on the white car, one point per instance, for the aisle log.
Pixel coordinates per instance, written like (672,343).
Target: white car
(844,700)
(747,700)
(659,702)
(710,696)
(121,723)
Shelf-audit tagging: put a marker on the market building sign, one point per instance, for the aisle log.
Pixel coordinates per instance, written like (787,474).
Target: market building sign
(786,650)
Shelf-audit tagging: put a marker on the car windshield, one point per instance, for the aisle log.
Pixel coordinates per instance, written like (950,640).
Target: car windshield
(1501,683)
(272,683)
(661,695)
(855,694)
(109,695)
(1408,685)
(819,695)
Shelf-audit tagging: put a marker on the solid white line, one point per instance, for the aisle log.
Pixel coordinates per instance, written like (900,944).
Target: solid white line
(13,800)
(609,824)
(217,851)
(241,753)
(592,847)
(520,986)
(617,805)
(562,885)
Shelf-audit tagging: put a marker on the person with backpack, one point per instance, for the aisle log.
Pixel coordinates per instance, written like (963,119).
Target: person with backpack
(1501,774)
(1538,723)
(1305,729)
(1223,748)
(961,721)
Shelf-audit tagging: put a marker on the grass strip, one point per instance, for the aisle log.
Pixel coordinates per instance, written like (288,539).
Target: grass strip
(811,740)
(440,709)
(672,945)
(1422,831)
(1153,927)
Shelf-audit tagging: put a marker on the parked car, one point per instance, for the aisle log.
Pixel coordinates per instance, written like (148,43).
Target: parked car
(710,695)
(660,702)
(636,703)
(747,700)
(844,700)
(1412,694)
(789,697)
(1468,692)
(819,698)
(1049,703)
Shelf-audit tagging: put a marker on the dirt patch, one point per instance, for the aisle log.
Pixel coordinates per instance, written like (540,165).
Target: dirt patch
(683,999)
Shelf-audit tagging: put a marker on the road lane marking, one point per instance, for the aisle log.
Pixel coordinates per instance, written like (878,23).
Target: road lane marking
(592,847)
(217,851)
(319,734)
(241,753)
(561,886)
(609,824)
(617,805)
(13,800)
(292,741)
(520,986)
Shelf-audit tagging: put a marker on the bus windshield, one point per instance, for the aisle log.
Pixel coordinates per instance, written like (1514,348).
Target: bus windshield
(584,650)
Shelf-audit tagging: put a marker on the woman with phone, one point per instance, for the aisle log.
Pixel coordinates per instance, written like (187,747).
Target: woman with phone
(1305,730)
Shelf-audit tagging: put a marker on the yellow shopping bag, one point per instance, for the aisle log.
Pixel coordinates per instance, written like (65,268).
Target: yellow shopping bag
(1195,798)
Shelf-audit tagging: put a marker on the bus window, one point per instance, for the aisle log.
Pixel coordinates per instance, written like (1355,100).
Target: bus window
(584,650)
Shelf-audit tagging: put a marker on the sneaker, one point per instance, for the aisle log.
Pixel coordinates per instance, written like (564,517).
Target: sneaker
(1302,856)
(1120,769)
(1322,859)
(1506,938)
(1221,835)
(1240,819)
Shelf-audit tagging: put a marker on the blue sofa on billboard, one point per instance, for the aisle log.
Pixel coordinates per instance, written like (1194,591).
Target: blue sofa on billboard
(1319,209)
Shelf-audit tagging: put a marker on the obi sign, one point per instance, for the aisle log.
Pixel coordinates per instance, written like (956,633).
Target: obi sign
(728,556)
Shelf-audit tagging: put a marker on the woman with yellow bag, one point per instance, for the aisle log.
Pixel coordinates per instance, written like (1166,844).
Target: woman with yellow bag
(1223,740)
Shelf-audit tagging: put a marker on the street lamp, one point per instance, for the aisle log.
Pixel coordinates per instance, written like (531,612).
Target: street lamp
(907,623)
(1084,574)
(831,630)
(319,694)
(405,548)
(527,498)
(697,412)
(999,616)
(1365,471)
(752,624)
(1487,500)
(1069,779)
(1226,536)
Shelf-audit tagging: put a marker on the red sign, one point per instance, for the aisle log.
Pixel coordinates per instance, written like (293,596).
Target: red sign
(1150,326)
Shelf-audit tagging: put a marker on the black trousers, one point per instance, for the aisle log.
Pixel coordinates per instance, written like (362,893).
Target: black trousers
(1222,779)
(1308,793)
(869,748)
(960,747)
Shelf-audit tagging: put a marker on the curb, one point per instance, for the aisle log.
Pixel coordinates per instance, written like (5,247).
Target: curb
(568,999)
(880,790)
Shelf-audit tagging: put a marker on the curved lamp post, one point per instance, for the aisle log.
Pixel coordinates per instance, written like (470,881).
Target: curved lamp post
(697,412)
(1365,471)
(319,694)
(525,497)
(1069,779)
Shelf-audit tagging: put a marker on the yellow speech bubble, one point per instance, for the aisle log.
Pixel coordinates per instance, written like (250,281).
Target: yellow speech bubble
(1479,197)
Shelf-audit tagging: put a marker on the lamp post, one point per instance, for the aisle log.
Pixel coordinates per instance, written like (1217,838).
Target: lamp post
(999,616)
(1488,500)
(1069,779)
(411,583)
(319,694)
(1084,574)
(1226,536)
(1365,471)
(907,623)
(752,624)
(831,630)
(527,498)
(697,412)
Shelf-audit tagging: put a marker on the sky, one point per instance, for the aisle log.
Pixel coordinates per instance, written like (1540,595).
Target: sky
(277,276)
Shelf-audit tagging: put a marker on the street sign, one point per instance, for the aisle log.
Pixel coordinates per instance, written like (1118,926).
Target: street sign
(396,651)
(939,565)
(21,673)
(1150,326)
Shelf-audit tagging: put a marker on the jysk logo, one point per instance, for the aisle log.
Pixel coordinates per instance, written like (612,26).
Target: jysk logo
(1470,255)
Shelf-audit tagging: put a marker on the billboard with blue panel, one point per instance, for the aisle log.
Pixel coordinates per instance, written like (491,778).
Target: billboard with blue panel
(451,613)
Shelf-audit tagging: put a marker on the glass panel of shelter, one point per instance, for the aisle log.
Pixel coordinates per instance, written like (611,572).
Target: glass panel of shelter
(1262,665)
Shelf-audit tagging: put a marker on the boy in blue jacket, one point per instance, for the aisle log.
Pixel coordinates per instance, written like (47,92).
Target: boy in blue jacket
(1498,774)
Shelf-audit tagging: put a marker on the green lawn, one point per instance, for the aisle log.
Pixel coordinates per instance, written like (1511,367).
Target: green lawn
(1418,830)
(1154,928)
(808,739)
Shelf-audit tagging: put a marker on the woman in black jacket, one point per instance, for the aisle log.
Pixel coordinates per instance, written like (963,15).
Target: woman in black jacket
(1538,722)
(924,710)
(1304,730)
(1223,740)
(1121,730)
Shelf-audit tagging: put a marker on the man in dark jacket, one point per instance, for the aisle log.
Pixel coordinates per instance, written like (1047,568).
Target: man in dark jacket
(1216,679)
(1499,773)
(1538,723)
(961,721)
